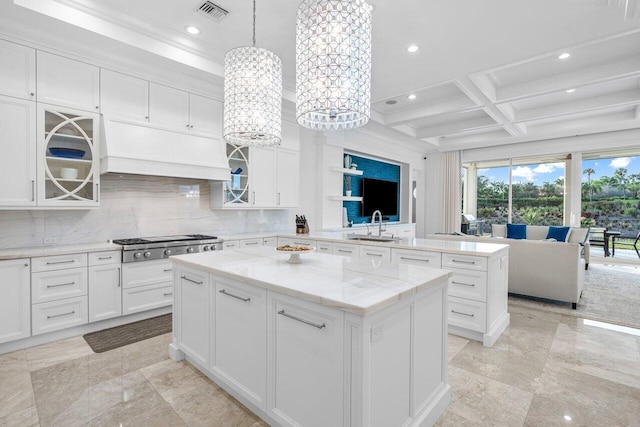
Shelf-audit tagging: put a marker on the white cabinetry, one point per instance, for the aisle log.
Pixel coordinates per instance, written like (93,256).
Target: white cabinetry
(15,304)
(146,285)
(251,243)
(205,115)
(376,253)
(288,178)
(68,83)
(18,146)
(423,258)
(230,244)
(105,286)
(17,71)
(193,302)
(263,177)
(168,107)
(306,363)
(325,247)
(270,241)
(346,249)
(124,96)
(239,338)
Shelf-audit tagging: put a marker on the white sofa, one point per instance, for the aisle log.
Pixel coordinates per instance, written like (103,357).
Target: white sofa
(540,268)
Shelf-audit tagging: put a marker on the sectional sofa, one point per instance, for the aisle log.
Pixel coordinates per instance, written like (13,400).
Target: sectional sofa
(539,267)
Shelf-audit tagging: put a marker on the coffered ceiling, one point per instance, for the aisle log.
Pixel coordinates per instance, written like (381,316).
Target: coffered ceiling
(487,72)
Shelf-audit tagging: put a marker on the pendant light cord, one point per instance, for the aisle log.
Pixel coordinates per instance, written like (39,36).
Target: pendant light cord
(254,23)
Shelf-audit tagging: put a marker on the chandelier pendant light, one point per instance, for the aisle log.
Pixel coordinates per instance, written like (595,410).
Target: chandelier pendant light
(333,64)
(252,95)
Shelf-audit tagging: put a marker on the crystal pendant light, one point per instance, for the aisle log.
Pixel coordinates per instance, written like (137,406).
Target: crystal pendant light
(333,64)
(252,95)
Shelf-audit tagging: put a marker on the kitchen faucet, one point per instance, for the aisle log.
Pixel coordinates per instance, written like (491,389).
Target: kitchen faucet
(373,221)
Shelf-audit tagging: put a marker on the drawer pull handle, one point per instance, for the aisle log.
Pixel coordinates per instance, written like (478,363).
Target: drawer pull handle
(370,254)
(223,291)
(251,243)
(61,284)
(71,261)
(168,293)
(464,314)
(166,270)
(414,259)
(459,261)
(101,258)
(345,251)
(191,280)
(306,322)
(463,284)
(60,315)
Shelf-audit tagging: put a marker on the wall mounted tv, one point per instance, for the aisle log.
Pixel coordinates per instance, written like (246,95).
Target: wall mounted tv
(379,195)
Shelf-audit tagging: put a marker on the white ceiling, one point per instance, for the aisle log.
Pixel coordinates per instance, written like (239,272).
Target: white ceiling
(487,72)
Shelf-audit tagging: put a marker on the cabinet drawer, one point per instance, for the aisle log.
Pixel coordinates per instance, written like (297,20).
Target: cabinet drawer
(346,250)
(146,273)
(57,285)
(422,258)
(468,262)
(230,244)
(107,257)
(304,242)
(55,315)
(284,241)
(59,262)
(467,314)
(375,253)
(325,247)
(469,284)
(145,298)
(250,243)
(270,241)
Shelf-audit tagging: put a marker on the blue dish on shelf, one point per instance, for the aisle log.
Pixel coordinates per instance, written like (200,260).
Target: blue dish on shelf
(67,153)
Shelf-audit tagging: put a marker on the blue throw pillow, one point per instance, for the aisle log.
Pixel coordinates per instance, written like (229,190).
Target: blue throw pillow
(558,233)
(516,231)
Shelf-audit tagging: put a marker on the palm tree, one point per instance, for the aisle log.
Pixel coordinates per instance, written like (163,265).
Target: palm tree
(589,172)
(620,180)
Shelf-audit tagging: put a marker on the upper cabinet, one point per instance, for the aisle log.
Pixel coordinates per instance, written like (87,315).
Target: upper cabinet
(17,70)
(123,96)
(168,107)
(205,115)
(68,83)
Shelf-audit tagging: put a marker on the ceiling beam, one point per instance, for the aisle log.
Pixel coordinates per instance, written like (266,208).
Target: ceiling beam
(455,127)
(460,103)
(614,70)
(631,97)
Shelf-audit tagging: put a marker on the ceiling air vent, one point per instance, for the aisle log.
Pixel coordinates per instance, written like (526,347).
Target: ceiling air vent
(212,11)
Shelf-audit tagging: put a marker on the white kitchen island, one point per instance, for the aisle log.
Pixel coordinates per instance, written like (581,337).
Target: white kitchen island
(332,341)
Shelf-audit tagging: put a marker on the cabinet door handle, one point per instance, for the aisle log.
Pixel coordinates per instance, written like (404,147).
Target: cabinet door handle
(462,261)
(61,284)
(167,294)
(223,291)
(32,94)
(97,192)
(61,262)
(306,322)
(166,270)
(26,264)
(345,251)
(119,277)
(464,314)
(278,199)
(370,254)
(191,280)
(100,258)
(254,197)
(60,315)
(414,259)
(33,191)
(463,284)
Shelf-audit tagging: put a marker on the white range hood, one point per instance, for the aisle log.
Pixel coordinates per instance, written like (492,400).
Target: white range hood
(142,149)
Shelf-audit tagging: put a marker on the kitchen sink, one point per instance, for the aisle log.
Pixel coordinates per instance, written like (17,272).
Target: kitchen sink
(372,238)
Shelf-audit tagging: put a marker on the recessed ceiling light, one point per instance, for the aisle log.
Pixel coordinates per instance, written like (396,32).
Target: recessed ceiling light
(391,102)
(570,90)
(413,48)
(192,30)
(564,55)
(411,97)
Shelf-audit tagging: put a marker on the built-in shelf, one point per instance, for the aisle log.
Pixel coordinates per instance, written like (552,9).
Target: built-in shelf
(348,171)
(346,199)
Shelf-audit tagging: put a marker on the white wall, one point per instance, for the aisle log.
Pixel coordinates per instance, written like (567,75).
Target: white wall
(138,206)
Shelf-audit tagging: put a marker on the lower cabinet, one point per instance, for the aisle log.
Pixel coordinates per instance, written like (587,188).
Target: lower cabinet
(239,338)
(193,304)
(105,292)
(375,253)
(15,304)
(61,314)
(346,249)
(306,363)
(146,285)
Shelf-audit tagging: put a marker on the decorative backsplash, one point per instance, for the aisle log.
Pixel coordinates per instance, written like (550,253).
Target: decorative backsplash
(137,206)
(371,169)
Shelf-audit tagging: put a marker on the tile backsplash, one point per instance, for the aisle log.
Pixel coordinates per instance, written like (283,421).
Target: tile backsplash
(137,206)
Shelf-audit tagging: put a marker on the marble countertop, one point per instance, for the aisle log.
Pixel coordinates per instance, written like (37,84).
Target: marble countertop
(357,286)
(40,251)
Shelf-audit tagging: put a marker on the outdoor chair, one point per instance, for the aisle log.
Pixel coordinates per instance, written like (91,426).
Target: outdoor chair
(597,237)
(635,244)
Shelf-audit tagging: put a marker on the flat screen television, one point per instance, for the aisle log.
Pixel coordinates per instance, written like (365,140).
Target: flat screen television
(379,195)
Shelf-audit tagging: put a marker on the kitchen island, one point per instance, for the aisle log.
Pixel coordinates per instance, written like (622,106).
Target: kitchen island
(331,341)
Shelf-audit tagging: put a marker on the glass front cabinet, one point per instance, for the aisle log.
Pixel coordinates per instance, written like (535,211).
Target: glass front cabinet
(236,190)
(68,157)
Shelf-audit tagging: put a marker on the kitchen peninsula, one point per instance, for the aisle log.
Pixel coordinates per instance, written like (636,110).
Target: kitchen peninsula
(329,341)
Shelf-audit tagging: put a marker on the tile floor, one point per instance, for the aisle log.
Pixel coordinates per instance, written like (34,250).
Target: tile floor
(546,370)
